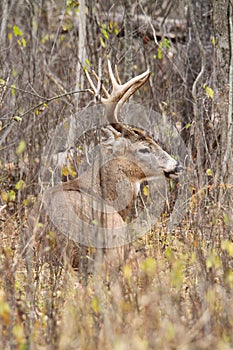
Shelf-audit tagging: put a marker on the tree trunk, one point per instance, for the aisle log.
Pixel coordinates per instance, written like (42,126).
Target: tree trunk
(223,34)
(197,109)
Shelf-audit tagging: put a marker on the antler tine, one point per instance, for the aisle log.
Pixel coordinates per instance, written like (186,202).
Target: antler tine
(117,75)
(94,92)
(114,82)
(135,84)
(95,89)
(102,85)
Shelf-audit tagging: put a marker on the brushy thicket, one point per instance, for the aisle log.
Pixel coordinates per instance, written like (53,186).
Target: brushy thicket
(173,290)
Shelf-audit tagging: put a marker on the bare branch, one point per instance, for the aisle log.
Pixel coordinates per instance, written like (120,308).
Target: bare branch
(48,100)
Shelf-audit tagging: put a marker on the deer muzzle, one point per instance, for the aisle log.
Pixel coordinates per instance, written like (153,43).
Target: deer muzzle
(173,174)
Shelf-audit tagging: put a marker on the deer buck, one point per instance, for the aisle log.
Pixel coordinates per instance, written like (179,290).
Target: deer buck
(93,209)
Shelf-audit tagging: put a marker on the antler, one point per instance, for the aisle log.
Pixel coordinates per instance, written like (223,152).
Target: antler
(120,92)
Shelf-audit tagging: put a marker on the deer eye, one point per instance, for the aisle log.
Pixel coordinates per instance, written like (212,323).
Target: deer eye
(144,150)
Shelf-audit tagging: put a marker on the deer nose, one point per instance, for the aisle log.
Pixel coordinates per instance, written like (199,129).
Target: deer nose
(179,168)
(174,173)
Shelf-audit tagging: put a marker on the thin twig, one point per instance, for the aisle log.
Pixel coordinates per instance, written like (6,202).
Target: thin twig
(4,85)
(48,100)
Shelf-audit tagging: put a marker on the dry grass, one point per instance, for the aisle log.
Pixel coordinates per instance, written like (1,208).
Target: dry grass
(173,293)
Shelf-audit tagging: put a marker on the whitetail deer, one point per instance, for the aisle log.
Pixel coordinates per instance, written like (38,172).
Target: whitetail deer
(104,195)
(128,156)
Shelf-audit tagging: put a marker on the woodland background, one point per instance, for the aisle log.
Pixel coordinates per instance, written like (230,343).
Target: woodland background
(175,292)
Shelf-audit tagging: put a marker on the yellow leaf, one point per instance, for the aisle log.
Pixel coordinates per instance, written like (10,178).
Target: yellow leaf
(228,246)
(11,196)
(20,185)
(95,305)
(213,260)
(145,190)
(102,42)
(4,196)
(127,271)
(65,171)
(69,170)
(24,43)
(148,266)
(5,310)
(17,118)
(18,332)
(17,31)
(209,91)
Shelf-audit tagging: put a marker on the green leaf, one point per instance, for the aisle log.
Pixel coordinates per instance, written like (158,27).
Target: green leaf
(209,172)
(88,62)
(102,42)
(21,147)
(17,31)
(105,33)
(24,43)
(187,126)
(12,90)
(167,43)
(160,53)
